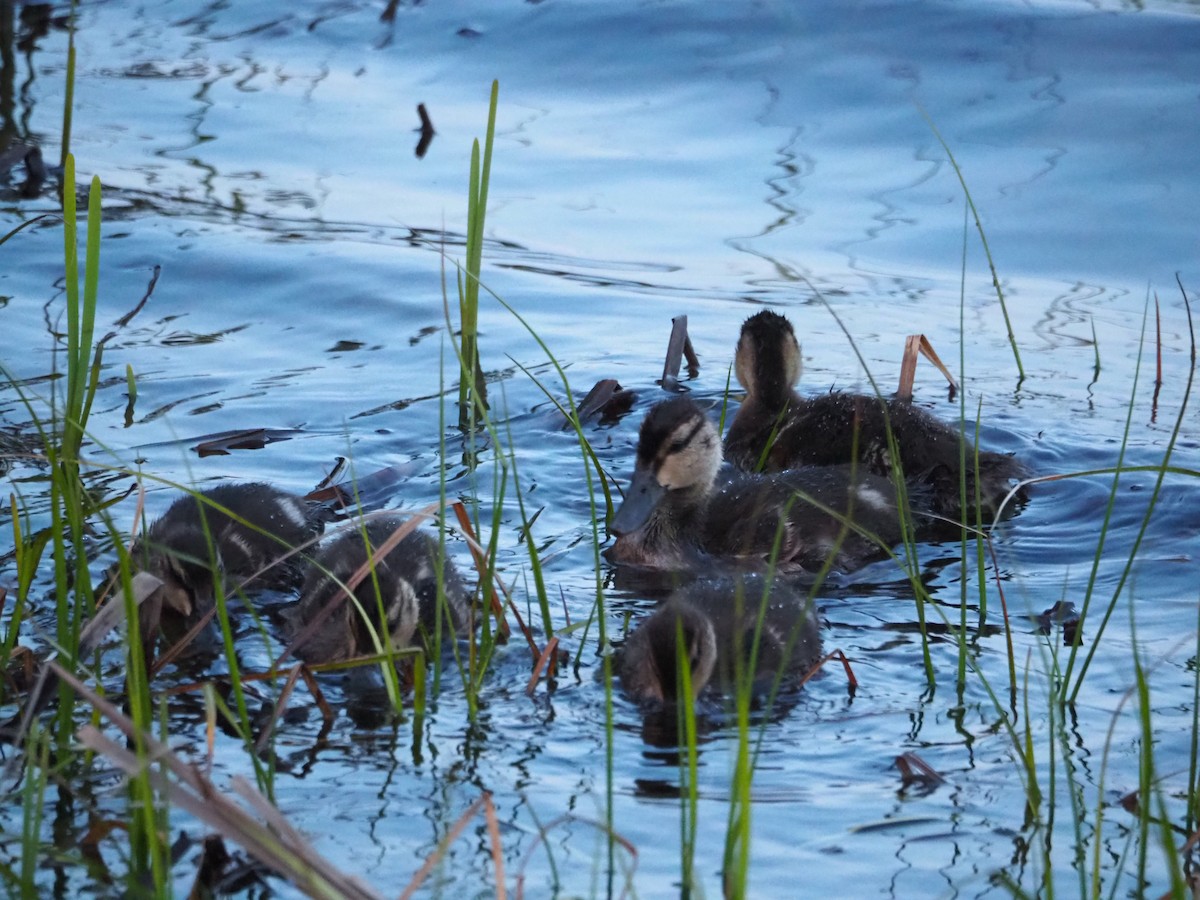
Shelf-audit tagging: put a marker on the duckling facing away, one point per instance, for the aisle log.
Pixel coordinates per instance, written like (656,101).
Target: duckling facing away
(262,525)
(775,428)
(675,516)
(719,621)
(407,577)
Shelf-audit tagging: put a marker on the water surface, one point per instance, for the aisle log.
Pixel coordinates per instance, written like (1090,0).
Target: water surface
(654,159)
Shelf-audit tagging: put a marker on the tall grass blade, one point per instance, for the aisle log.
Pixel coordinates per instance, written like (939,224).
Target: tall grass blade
(1012,338)
(1151,504)
(472,393)
(69,98)
(69,500)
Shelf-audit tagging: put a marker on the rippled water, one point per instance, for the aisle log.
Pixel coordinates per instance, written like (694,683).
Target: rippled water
(655,159)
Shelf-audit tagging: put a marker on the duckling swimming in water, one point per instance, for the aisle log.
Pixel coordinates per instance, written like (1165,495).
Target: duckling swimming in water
(722,637)
(408,589)
(775,428)
(261,526)
(676,516)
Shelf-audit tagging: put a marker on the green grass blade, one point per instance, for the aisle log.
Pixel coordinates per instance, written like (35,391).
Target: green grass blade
(1012,338)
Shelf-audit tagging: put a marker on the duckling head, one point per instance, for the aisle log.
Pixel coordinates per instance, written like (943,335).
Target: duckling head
(651,665)
(401,610)
(179,556)
(678,455)
(767,361)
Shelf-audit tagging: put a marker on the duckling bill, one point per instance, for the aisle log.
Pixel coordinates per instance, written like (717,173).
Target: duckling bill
(775,429)
(677,514)
(728,629)
(408,596)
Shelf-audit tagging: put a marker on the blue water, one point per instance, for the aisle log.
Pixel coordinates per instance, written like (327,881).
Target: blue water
(652,160)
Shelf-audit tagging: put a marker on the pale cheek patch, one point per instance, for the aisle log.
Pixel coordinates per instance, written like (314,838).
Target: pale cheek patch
(872,498)
(671,473)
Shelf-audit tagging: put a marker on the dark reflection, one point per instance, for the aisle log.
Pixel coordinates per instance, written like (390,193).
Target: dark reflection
(662,733)
(366,699)
(19,150)
(1064,615)
(661,730)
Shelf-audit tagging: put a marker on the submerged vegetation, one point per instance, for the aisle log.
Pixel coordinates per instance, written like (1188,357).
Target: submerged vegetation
(104,703)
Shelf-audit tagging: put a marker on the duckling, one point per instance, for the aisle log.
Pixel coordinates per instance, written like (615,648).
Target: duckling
(720,623)
(261,526)
(408,589)
(675,516)
(775,428)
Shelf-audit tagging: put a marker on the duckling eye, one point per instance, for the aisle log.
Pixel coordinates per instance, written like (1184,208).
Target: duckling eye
(677,445)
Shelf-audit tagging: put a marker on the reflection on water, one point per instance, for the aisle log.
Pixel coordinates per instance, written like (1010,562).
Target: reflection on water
(651,160)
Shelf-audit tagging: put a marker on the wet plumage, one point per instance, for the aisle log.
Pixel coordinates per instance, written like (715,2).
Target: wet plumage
(728,627)
(680,513)
(407,579)
(775,429)
(193,545)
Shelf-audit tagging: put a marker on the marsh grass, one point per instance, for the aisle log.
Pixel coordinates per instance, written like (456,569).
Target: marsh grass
(472,391)
(1037,709)
(61,425)
(62,433)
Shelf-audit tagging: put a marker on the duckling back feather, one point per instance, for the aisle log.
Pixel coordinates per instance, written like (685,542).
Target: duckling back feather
(775,429)
(407,580)
(676,516)
(732,629)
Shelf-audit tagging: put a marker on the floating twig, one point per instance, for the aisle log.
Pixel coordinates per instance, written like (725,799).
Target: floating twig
(916,344)
(679,346)
(426,130)
(914,770)
(840,657)
(607,399)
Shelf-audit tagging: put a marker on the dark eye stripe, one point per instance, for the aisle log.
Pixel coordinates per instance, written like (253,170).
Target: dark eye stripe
(682,442)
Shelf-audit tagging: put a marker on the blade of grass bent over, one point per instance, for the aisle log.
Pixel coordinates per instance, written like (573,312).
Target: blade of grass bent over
(1012,339)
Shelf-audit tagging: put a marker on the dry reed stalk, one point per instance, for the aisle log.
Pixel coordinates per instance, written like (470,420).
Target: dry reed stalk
(108,617)
(276,845)
(280,707)
(914,345)
(493,828)
(443,845)
(547,656)
(599,826)
(840,657)
(480,558)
